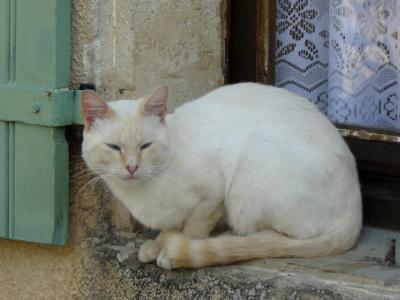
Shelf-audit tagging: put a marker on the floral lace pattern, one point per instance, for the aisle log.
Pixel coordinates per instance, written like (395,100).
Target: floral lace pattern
(344,56)
(302,57)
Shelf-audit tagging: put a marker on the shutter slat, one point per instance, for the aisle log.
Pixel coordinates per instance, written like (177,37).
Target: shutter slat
(4,179)
(42,39)
(41,184)
(34,103)
(4,41)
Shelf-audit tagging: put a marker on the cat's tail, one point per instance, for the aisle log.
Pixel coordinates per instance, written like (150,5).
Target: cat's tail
(188,253)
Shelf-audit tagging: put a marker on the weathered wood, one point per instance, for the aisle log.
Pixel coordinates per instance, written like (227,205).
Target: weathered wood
(226,28)
(268,62)
(11,176)
(38,106)
(40,204)
(4,41)
(4,179)
(43,43)
(34,103)
(251,41)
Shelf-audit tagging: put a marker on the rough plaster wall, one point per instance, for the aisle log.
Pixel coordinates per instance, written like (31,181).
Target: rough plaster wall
(29,270)
(127,48)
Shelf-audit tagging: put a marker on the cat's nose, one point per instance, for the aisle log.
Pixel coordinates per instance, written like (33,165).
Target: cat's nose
(132,169)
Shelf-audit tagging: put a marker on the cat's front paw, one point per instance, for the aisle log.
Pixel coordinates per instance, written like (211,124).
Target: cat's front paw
(149,251)
(172,252)
(165,261)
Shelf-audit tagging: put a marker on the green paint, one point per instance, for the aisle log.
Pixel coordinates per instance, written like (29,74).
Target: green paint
(35,103)
(43,43)
(41,205)
(12,43)
(4,179)
(77,108)
(61,187)
(57,107)
(4,41)
(63,45)
(11,178)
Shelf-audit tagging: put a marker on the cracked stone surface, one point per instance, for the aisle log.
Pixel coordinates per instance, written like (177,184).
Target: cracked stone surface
(357,274)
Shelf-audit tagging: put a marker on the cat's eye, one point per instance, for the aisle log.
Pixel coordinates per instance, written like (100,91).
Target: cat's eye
(145,146)
(114,147)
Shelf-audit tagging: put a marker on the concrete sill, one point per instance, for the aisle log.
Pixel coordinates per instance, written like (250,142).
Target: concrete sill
(358,274)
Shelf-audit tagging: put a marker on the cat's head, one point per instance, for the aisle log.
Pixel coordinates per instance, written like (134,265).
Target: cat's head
(126,140)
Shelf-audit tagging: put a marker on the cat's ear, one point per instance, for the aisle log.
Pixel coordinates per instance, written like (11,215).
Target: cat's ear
(156,104)
(93,107)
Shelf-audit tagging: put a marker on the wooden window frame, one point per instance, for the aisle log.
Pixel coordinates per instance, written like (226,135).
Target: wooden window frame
(250,40)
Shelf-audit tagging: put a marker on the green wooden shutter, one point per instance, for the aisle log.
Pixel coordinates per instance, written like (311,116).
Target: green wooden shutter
(35,105)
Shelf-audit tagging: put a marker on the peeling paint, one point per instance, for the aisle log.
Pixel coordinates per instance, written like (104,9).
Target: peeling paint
(369,135)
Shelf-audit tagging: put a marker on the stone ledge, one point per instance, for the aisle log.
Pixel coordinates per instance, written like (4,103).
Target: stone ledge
(358,274)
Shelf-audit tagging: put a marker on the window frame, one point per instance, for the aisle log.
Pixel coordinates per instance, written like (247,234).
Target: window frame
(374,150)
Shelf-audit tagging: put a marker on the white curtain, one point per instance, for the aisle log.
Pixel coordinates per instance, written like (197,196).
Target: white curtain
(343,55)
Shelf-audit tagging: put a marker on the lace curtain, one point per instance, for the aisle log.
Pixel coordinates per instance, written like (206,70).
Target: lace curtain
(344,56)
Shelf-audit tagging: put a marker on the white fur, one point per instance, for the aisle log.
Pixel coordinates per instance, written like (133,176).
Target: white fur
(268,155)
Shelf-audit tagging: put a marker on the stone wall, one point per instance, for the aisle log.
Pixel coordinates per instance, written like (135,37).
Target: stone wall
(128,48)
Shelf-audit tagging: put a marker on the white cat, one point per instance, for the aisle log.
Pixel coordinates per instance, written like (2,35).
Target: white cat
(261,158)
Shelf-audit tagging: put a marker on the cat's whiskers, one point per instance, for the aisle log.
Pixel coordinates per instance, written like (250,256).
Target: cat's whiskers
(78,175)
